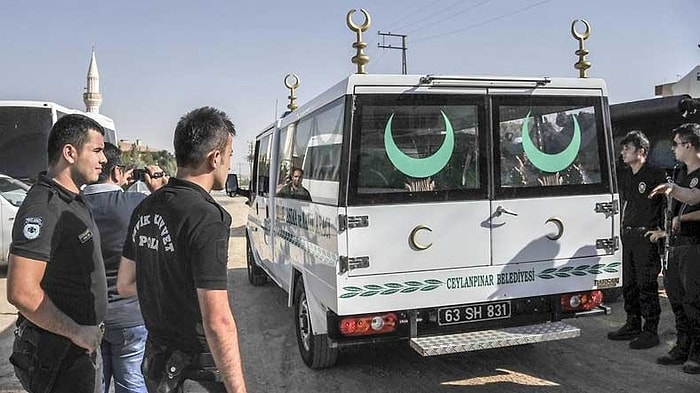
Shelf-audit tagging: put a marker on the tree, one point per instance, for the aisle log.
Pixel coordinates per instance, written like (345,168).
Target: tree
(139,159)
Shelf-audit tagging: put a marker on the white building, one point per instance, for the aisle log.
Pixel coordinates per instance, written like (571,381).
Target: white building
(689,84)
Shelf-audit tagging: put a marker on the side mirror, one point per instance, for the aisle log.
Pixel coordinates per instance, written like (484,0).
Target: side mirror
(232,188)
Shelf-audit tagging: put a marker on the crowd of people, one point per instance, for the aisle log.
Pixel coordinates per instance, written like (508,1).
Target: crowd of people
(83,249)
(643,226)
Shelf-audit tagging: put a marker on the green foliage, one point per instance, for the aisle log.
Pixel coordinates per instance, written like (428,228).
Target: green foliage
(139,159)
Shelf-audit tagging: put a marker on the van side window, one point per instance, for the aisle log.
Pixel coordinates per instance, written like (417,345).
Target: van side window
(263,166)
(285,157)
(317,150)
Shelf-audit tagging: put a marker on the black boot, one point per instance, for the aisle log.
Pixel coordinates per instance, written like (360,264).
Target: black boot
(630,330)
(692,365)
(678,354)
(649,337)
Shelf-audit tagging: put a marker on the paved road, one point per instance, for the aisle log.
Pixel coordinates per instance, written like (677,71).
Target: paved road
(589,363)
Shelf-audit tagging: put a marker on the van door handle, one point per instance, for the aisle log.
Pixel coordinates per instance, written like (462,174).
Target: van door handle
(502,210)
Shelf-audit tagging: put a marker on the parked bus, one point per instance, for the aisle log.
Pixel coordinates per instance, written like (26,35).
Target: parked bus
(656,117)
(455,213)
(24,131)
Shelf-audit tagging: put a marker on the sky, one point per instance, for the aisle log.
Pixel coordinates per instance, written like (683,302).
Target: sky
(159,59)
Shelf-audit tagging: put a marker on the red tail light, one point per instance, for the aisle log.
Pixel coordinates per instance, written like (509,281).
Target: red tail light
(363,325)
(582,301)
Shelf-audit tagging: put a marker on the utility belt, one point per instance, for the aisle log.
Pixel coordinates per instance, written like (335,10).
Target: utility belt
(165,369)
(681,240)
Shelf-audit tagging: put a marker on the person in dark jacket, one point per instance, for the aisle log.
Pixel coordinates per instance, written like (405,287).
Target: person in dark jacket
(125,333)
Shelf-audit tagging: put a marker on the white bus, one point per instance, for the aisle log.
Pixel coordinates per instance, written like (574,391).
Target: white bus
(24,131)
(456,213)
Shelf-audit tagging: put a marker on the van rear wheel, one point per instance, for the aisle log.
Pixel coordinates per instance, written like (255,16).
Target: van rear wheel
(256,275)
(314,348)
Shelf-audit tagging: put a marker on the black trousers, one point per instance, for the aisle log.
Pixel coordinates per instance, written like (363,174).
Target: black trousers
(641,265)
(45,362)
(683,289)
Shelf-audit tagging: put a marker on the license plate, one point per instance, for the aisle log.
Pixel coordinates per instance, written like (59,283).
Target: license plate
(473,313)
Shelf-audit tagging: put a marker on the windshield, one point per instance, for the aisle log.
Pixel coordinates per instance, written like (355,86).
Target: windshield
(417,144)
(23,137)
(13,190)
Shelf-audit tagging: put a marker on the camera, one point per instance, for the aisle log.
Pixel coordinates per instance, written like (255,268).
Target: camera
(139,174)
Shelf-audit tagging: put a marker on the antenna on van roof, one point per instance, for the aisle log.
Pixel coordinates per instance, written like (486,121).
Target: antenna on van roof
(361,57)
(582,65)
(292,106)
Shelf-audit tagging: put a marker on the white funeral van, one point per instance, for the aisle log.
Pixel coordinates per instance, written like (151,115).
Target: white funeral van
(454,213)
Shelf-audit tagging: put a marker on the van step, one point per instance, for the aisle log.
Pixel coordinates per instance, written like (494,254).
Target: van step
(489,339)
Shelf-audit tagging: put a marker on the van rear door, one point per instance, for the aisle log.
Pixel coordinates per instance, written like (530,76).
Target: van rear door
(553,188)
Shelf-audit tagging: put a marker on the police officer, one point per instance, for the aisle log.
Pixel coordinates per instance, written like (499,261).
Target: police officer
(176,256)
(56,277)
(683,270)
(641,262)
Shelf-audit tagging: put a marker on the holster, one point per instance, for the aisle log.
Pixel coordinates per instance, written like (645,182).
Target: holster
(163,368)
(37,356)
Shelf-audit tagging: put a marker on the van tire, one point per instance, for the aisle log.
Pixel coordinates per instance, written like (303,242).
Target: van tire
(256,275)
(314,348)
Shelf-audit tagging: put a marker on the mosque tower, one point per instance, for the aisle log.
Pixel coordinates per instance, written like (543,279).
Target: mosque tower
(92,97)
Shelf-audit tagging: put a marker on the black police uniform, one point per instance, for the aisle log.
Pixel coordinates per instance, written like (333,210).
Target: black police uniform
(55,225)
(178,238)
(641,262)
(683,276)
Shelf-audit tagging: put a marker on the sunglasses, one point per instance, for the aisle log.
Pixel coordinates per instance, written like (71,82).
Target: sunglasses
(675,144)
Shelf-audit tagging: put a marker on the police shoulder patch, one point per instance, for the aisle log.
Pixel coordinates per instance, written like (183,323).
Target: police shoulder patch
(32,227)
(693,182)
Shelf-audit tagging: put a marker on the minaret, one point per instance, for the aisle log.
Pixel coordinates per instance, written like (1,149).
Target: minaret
(92,97)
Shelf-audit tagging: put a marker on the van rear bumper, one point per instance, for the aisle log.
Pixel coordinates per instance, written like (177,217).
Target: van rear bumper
(495,338)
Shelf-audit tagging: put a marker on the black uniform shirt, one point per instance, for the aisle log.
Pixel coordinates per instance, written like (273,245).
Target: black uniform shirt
(640,211)
(689,228)
(55,225)
(178,237)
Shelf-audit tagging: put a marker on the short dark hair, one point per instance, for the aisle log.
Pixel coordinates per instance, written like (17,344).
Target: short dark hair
(295,169)
(689,132)
(72,129)
(114,158)
(637,139)
(198,132)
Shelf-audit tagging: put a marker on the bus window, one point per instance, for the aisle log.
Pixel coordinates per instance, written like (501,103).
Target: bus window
(23,133)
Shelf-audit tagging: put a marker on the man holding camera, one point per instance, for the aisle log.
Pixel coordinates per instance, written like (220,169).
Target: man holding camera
(124,338)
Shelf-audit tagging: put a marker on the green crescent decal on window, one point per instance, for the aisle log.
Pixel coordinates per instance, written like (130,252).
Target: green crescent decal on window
(551,162)
(420,167)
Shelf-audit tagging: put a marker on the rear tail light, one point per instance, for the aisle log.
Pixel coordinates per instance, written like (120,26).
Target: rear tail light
(582,301)
(363,325)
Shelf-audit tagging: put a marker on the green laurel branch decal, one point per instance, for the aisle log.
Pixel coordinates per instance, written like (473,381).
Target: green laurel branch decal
(569,271)
(391,288)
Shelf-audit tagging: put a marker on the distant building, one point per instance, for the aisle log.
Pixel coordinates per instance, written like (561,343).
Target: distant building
(126,145)
(689,84)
